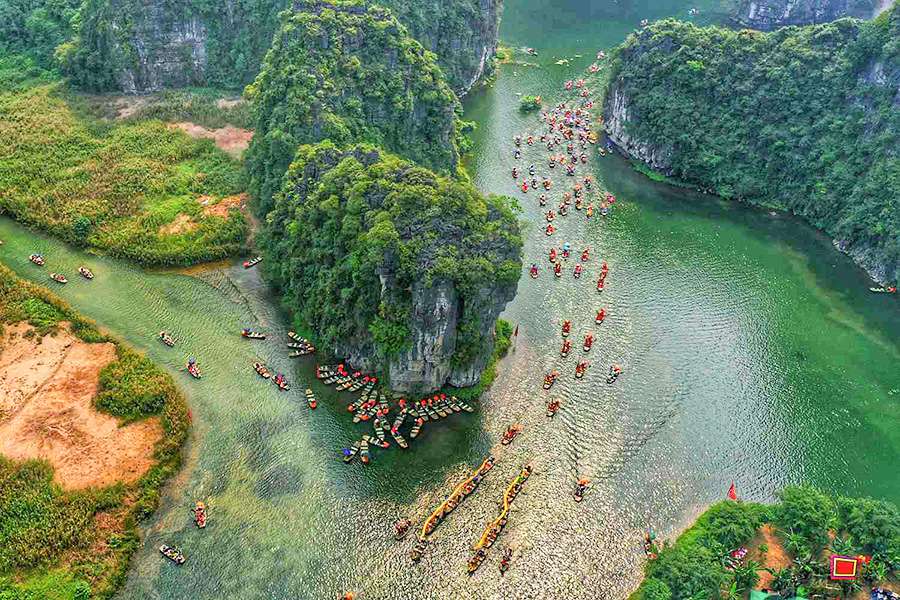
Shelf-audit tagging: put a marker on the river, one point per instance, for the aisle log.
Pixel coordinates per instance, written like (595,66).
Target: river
(753,353)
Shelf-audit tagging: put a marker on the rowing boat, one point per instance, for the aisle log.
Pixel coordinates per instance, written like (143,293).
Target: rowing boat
(252,262)
(351,452)
(173,554)
(310,398)
(262,370)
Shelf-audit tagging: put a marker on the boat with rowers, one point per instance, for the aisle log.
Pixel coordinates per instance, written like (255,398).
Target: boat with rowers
(402,527)
(37,259)
(166,339)
(890,289)
(493,530)
(614,372)
(588,342)
(566,348)
(281,382)
(351,452)
(85,272)
(550,378)
(601,316)
(510,434)
(252,335)
(581,369)
(311,398)
(252,262)
(193,369)
(173,554)
(58,278)
(552,408)
(262,370)
(505,560)
(200,514)
(581,488)
(566,328)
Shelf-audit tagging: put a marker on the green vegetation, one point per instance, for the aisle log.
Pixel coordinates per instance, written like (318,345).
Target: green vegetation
(530,103)
(803,119)
(456,32)
(50,544)
(36,27)
(345,218)
(196,105)
(809,524)
(123,42)
(503,332)
(129,190)
(340,71)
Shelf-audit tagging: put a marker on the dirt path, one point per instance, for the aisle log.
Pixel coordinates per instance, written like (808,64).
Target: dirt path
(47,387)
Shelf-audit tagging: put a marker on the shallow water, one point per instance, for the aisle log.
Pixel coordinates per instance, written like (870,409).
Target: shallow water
(752,352)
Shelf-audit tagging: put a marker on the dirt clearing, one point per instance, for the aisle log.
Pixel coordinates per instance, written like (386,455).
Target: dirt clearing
(232,140)
(46,391)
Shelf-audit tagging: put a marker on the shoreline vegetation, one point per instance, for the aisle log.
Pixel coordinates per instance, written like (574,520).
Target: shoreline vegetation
(735,547)
(801,119)
(138,189)
(76,543)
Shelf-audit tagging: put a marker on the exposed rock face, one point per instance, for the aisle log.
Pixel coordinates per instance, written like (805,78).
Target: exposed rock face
(150,45)
(771,14)
(618,120)
(463,34)
(397,270)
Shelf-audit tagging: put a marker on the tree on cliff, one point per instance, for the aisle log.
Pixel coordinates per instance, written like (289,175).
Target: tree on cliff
(804,119)
(341,71)
(356,234)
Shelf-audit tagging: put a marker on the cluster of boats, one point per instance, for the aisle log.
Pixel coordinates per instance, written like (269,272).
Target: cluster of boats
(176,555)
(38,259)
(462,491)
(495,528)
(299,346)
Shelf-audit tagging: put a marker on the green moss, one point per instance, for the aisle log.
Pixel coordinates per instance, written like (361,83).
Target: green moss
(797,119)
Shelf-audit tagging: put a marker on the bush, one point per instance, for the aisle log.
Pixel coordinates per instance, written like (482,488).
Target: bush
(530,103)
(808,512)
(654,589)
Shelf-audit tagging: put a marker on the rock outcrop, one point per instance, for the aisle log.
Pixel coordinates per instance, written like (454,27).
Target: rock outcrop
(766,15)
(463,34)
(347,72)
(140,46)
(804,119)
(397,270)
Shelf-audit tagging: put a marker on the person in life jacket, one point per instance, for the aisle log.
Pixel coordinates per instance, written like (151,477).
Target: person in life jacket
(550,229)
(600,285)
(534,271)
(585,255)
(567,345)
(588,341)
(524,187)
(601,315)
(566,327)
(577,271)
(565,249)
(590,211)
(552,254)
(550,215)
(548,183)
(557,270)
(530,140)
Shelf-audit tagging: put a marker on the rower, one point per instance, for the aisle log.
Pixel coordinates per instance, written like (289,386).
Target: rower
(518,140)
(566,347)
(557,270)
(524,187)
(600,285)
(534,271)
(515,173)
(578,271)
(566,327)
(530,140)
(585,255)
(588,342)
(552,254)
(604,269)
(550,229)
(565,249)
(601,315)
(550,215)
(590,211)
(531,169)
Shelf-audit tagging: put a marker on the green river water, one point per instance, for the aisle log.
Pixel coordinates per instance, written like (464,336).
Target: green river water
(752,350)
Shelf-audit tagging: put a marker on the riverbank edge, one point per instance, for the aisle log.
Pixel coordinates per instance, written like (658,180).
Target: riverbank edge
(858,254)
(141,499)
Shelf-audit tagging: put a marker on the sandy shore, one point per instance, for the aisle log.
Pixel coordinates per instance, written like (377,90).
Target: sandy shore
(47,387)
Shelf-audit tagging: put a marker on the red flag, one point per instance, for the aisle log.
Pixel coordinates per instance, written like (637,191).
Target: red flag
(732,493)
(516,332)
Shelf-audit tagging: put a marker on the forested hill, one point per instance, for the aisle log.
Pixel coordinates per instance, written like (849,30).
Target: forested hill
(140,46)
(347,72)
(805,119)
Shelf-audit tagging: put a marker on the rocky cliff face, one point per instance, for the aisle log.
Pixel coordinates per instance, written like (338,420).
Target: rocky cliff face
(771,14)
(463,34)
(397,270)
(619,121)
(150,45)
